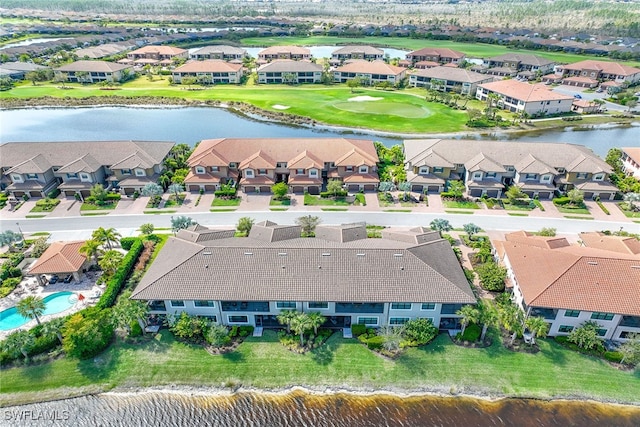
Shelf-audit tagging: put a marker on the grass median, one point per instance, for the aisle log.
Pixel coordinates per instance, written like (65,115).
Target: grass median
(264,363)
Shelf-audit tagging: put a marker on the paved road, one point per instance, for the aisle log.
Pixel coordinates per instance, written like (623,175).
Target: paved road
(69,228)
(589,96)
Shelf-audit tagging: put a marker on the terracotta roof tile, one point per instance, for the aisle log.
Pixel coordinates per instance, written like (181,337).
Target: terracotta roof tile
(60,257)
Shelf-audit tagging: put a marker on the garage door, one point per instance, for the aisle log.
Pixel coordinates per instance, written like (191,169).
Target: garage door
(18,194)
(433,189)
(128,191)
(210,188)
(416,188)
(297,189)
(265,189)
(529,193)
(544,195)
(492,193)
(369,187)
(194,188)
(69,193)
(353,187)
(476,192)
(249,189)
(588,195)
(314,189)
(35,194)
(605,196)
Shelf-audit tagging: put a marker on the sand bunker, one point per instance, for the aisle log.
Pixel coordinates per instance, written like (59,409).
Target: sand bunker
(280,107)
(363,99)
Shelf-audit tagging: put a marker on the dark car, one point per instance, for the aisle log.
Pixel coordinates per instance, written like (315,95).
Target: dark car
(68,278)
(54,279)
(577,96)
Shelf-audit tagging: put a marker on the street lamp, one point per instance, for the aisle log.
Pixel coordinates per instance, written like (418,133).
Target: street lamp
(20,230)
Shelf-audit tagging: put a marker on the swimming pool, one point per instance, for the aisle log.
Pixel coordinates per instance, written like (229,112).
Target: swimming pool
(54,303)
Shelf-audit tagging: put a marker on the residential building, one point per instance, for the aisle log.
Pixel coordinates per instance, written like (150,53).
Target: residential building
(524,98)
(598,71)
(61,258)
(370,72)
(156,55)
(582,106)
(340,273)
(37,168)
(18,70)
(439,55)
(222,52)
(290,72)
(295,53)
(568,285)
(93,72)
(304,164)
(488,167)
(517,63)
(210,71)
(367,53)
(448,79)
(631,161)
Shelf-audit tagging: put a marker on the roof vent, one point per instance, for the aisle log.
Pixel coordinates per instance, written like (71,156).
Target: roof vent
(283,266)
(398,255)
(360,254)
(282,254)
(248,253)
(326,254)
(402,268)
(592,263)
(206,266)
(206,253)
(635,266)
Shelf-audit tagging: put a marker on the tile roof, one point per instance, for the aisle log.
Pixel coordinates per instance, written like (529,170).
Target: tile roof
(576,278)
(220,49)
(37,163)
(306,269)
(525,91)
(633,153)
(305,160)
(277,50)
(60,257)
(529,164)
(452,74)
(370,67)
(431,51)
(221,152)
(208,66)
(522,58)
(603,66)
(85,163)
(289,65)
(484,163)
(622,244)
(457,151)
(62,153)
(93,66)
(162,50)
(367,50)
(258,160)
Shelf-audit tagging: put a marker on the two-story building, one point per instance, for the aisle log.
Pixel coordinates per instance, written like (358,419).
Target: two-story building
(589,73)
(209,71)
(631,161)
(294,53)
(367,53)
(369,72)
(524,98)
(92,72)
(156,55)
(489,167)
(447,79)
(439,55)
(340,273)
(221,52)
(304,164)
(517,64)
(287,71)
(37,168)
(568,285)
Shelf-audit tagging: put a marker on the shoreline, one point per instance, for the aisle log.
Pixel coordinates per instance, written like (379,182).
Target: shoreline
(252,112)
(22,399)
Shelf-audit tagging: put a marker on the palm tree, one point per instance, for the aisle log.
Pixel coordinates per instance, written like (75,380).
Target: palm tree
(316,319)
(510,317)
(440,224)
(54,327)
(128,311)
(31,307)
(151,189)
(110,262)
(537,326)
(285,317)
(91,248)
(300,324)
(106,235)
(470,314)
(488,317)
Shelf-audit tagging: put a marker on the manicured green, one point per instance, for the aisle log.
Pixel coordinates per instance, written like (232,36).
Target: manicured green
(225,202)
(577,217)
(278,209)
(565,209)
(283,202)
(518,206)
(517,214)
(397,210)
(462,204)
(459,212)
(310,200)
(86,206)
(159,211)
(35,215)
(91,213)
(222,210)
(265,363)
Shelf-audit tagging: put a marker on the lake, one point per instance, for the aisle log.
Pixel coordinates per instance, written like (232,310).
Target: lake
(299,408)
(193,124)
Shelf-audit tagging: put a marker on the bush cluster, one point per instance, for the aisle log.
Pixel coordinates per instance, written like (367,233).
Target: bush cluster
(10,274)
(32,342)
(327,194)
(118,280)
(561,201)
(229,193)
(127,242)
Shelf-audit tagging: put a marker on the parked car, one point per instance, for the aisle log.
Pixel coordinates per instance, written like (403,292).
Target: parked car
(577,96)
(68,278)
(54,279)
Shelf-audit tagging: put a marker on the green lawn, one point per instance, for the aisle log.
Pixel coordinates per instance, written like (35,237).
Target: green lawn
(627,213)
(265,363)
(172,201)
(310,200)
(45,205)
(465,204)
(283,202)
(518,206)
(578,210)
(86,206)
(225,202)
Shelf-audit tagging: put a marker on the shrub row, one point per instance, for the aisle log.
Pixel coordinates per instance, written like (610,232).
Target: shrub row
(118,280)
(327,194)
(127,242)
(241,331)
(225,193)
(561,201)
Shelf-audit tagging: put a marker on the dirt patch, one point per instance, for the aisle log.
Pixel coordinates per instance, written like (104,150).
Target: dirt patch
(280,107)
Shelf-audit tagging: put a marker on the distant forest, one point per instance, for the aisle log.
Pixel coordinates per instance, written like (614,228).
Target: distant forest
(594,17)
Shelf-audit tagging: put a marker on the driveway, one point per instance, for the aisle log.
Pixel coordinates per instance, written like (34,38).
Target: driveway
(589,96)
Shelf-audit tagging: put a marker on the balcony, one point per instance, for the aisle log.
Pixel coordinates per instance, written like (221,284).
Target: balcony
(157,306)
(255,306)
(355,307)
(547,313)
(630,321)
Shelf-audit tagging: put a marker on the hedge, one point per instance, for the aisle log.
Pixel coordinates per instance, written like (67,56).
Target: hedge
(327,194)
(127,242)
(118,280)
(375,343)
(358,330)
(613,356)
(225,193)
(561,201)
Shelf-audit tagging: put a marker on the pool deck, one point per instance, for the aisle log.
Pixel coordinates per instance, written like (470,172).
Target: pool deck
(29,286)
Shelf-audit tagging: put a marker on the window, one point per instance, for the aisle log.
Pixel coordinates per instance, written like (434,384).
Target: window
(598,177)
(199,170)
(530,176)
(546,178)
(281,164)
(398,320)
(72,175)
(601,332)
(450,308)
(363,169)
(215,168)
(177,303)
(491,175)
(85,177)
(565,329)
(581,175)
(238,319)
(401,306)
(285,304)
(204,303)
(32,176)
(126,171)
(348,168)
(601,316)
(248,173)
(233,165)
(438,170)
(423,170)
(477,176)
(16,178)
(313,173)
(318,304)
(140,172)
(372,321)
(428,306)
(299,171)
(510,168)
(262,171)
(571,313)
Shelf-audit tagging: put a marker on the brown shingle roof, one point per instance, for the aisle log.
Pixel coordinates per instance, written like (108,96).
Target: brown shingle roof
(209,66)
(276,50)
(524,91)
(60,257)
(306,269)
(93,66)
